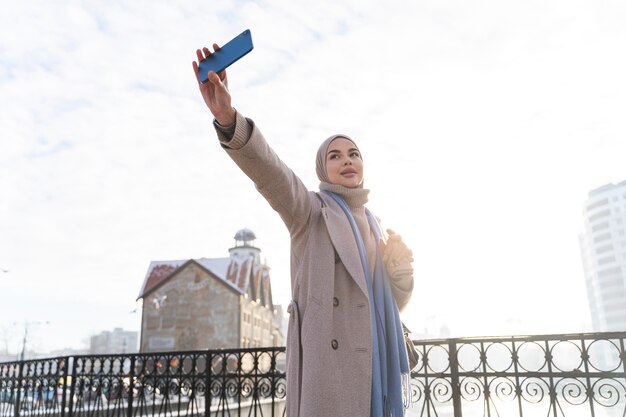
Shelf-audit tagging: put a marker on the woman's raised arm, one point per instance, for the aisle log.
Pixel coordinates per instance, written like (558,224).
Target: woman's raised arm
(245,144)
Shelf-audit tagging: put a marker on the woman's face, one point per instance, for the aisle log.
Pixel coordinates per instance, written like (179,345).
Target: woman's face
(344,165)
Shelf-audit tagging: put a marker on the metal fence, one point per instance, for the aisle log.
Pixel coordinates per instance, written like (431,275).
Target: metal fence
(237,382)
(553,375)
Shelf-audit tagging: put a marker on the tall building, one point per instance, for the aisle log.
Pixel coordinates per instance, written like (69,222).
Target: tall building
(210,303)
(117,341)
(603,249)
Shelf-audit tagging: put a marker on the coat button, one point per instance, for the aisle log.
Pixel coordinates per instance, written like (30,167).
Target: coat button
(335,301)
(334,344)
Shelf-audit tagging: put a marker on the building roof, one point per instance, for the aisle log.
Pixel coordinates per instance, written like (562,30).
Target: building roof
(606,187)
(242,275)
(245,235)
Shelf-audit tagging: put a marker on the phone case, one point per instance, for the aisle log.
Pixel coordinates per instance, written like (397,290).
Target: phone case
(227,55)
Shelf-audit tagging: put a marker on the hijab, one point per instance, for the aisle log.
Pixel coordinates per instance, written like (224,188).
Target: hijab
(322,152)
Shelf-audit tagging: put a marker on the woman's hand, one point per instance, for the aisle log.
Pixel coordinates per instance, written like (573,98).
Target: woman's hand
(215,91)
(396,251)
(397,257)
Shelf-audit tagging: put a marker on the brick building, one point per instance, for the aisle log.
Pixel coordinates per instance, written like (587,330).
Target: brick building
(210,303)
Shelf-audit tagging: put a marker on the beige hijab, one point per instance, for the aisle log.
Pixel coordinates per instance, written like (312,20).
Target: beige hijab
(320,161)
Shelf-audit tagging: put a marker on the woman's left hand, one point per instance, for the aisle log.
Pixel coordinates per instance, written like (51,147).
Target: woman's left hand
(396,252)
(398,259)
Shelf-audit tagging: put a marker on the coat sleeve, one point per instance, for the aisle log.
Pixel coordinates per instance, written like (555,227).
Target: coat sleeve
(276,182)
(401,276)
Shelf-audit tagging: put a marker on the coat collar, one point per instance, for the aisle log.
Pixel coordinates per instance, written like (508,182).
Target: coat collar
(343,240)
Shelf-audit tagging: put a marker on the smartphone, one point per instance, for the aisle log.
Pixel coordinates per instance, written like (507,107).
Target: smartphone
(227,55)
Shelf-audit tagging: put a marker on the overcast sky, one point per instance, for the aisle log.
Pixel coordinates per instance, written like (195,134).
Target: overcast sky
(483,125)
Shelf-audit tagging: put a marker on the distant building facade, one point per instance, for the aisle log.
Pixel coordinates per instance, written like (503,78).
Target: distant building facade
(210,303)
(603,250)
(117,341)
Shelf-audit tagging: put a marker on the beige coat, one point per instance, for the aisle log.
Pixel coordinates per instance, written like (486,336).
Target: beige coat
(329,338)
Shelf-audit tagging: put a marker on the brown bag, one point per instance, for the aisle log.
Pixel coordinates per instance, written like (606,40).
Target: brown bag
(411,352)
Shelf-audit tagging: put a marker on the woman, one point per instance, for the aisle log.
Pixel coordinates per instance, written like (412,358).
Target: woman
(345,355)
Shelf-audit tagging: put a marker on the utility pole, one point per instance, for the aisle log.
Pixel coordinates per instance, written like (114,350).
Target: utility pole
(25,337)
(24,342)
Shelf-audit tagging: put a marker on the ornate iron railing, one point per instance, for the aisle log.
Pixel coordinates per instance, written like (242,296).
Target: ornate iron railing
(237,382)
(553,376)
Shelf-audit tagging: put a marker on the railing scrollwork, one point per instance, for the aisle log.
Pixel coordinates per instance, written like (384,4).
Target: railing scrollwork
(547,375)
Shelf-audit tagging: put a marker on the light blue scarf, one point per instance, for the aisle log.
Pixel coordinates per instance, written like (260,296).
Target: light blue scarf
(390,366)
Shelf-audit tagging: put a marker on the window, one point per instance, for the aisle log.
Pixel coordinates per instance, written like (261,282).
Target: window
(606,260)
(619,320)
(611,272)
(614,309)
(602,238)
(618,294)
(612,285)
(600,226)
(600,214)
(597,204)
(603,249)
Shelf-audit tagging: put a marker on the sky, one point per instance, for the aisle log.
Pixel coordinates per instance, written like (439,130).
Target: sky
(483,126)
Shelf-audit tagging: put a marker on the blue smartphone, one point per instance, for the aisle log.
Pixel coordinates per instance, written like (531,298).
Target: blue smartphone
(227,55)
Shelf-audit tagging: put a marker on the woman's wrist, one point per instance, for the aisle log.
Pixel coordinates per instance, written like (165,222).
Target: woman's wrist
(228,118)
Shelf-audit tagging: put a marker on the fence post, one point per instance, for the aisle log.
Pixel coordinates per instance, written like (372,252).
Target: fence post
(209,372)
(131,385)
(454,378)
(73,382)
(63,371)
(18,396)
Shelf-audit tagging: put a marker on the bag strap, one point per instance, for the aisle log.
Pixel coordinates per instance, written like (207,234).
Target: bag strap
(404,328)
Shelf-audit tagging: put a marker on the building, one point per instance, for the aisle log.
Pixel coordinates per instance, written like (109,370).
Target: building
(117,341)
(68,351)
(210,303)
(603,249)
